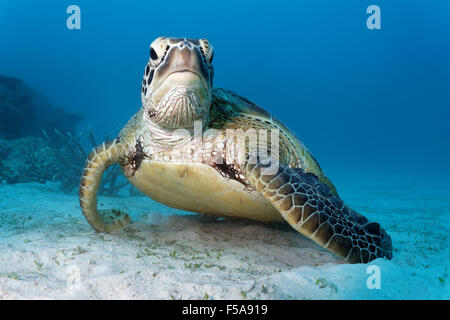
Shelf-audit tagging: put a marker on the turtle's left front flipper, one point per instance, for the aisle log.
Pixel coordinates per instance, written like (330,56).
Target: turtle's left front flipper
(98,161)
(311,208)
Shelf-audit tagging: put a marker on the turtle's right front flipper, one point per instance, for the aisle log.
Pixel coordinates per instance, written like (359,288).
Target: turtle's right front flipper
(312,208)
(98,161)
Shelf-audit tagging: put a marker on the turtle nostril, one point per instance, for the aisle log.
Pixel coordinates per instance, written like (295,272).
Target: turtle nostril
(185,43)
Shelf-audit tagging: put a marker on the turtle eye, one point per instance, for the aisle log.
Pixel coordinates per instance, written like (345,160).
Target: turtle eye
(153,54)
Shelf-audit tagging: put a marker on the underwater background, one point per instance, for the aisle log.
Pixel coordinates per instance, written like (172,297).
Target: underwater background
(372,106)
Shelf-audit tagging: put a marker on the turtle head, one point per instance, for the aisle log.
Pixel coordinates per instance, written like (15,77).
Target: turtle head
(177,85)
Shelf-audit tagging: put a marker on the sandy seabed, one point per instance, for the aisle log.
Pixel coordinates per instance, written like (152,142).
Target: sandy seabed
(48,251)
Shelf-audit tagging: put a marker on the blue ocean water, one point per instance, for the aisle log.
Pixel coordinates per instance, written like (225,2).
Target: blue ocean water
(370,99)
(373,106)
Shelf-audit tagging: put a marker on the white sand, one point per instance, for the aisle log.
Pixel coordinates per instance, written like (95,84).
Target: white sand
(48,251)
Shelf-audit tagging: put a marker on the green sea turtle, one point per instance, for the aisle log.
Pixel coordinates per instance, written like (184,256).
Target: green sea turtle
(207,150)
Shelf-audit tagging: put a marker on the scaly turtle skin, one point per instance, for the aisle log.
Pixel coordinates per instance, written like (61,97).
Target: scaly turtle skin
(191,147)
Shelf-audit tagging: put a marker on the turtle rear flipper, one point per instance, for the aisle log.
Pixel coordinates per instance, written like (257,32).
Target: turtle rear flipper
(313,209)
(98,161)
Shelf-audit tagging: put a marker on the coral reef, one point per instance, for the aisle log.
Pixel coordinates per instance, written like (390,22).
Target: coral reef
(58,157)
(25,112)
(25,160)
(38,142)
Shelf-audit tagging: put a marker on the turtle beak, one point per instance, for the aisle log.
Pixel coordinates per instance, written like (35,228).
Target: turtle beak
(182,88)
(183,66)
